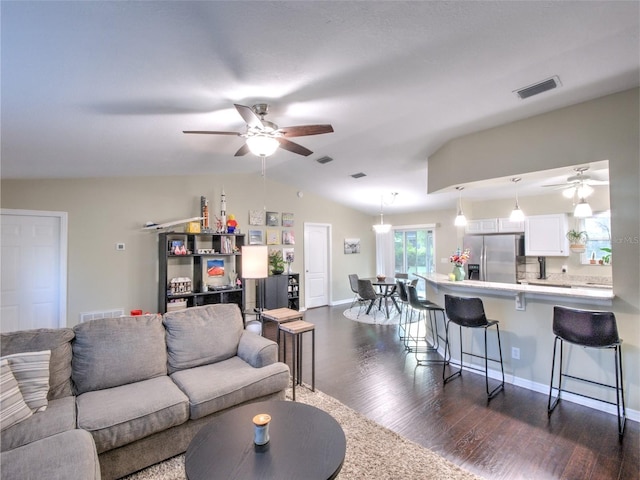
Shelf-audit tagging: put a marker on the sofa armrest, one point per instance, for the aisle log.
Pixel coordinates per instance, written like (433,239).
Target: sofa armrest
(257,351)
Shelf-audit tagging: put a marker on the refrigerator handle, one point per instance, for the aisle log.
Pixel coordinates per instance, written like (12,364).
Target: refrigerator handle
(483,263)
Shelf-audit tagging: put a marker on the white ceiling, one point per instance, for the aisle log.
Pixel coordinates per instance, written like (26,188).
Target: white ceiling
(105,88)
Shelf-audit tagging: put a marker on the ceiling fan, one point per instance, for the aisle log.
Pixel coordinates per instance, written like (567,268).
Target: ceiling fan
(264,137)
(579,185)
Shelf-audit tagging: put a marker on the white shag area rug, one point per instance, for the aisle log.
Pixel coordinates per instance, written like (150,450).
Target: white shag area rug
(377,317)
(373,451)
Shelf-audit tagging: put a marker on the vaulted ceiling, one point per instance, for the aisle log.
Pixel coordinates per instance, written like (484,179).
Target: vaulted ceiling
(106,88)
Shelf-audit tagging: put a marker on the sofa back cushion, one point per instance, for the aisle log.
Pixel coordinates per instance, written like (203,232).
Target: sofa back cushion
(58,340)
(110,352)
(202,335)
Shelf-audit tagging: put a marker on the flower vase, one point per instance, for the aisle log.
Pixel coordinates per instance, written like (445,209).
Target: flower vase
(458,273)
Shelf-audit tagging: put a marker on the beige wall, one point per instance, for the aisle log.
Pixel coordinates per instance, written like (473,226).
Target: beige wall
(607,128)
(105,211)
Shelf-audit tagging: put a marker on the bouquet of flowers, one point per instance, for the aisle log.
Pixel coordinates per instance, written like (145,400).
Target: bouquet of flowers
(460,257)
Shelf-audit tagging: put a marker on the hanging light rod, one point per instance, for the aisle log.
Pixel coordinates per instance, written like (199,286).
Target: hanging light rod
(517,215)
(460,220)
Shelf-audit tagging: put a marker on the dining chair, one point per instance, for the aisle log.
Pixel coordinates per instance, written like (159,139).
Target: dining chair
(353,283)
(368,294)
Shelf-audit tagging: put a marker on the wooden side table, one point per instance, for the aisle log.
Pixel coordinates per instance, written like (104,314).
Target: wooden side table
(279,316)
(296,329)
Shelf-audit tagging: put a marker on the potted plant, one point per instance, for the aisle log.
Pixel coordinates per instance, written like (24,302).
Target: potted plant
(276,262)
(606,259)
(577,240)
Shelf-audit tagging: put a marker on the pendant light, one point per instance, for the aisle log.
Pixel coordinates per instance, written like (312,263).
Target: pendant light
(383,227)
(460,220)
(517,215)
(583,209)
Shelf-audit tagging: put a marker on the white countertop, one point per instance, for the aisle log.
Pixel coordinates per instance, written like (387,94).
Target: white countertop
(577,293)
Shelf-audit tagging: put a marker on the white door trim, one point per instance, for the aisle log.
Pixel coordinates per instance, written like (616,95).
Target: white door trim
(329,259)
(63,217)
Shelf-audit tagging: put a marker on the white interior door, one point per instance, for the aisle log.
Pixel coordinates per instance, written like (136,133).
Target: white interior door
(317,263)
(33,261)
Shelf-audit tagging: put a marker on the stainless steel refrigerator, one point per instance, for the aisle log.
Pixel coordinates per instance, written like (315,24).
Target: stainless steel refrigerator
(494,258)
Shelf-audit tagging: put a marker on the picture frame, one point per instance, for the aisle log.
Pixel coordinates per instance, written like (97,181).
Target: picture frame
(256,217)
(273,237)
(288,254)
(256,237)
(351,246)
(215,267)
(273,219)
(287,219)
(288,237)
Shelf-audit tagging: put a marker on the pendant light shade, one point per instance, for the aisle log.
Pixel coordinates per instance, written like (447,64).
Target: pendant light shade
(262,145)
(583,209)
(517,215)
(383,227)
(460,220)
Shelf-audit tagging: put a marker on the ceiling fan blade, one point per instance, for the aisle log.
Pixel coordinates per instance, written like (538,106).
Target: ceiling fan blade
(293,147)
(249,116)
(304,130)
(243,150)
(211,132)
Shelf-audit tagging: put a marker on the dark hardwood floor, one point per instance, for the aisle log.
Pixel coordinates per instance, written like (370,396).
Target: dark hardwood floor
(511,437)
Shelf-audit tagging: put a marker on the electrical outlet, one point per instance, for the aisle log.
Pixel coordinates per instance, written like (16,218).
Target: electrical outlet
(515,353)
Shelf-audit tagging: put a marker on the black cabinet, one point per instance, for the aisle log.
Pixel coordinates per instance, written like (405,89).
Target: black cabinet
(199,269)
(279,291)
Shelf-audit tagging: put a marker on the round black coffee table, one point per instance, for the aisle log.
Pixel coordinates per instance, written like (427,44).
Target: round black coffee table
(306,442)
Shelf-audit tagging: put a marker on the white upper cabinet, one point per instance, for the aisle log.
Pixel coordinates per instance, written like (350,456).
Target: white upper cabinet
(493,225)
(545,235)
(486,225)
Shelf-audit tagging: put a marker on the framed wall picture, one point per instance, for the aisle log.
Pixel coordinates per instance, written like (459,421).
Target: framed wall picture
(256,217)
(255,237)
(287,219)
(288,237)
(273,219)
(273,237)
(215,267)
(351,245)
(288,254)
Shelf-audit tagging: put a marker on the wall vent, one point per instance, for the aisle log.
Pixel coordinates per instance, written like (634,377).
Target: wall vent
(324,160)
(116,312)
(359,175)
(538,88)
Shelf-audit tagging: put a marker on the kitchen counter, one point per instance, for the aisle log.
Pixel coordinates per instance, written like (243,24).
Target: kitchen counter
(551,291)
(560,284)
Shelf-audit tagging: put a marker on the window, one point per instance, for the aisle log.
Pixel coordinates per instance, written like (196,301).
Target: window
(413,250)
(598,228)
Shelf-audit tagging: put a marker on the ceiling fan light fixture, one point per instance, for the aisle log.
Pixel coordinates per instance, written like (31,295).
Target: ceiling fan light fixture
(262,145)
(583,209)
(584,190)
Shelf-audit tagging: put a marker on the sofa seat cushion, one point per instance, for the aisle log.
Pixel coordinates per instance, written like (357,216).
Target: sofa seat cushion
(60,416)
(69,455)
(121,415)
(221,385)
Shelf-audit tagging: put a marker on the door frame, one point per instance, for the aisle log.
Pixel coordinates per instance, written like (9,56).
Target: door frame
(63,218)
(327,227)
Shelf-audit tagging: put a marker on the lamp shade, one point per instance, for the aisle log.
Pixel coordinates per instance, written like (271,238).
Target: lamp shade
(262,145)
(517,215)
(255,261)
(583,209)
(382,227)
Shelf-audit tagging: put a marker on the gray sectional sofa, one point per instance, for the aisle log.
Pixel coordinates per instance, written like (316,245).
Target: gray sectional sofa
(129,392)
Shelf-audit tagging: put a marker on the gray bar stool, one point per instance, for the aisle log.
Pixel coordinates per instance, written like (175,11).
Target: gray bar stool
(469,313)
(587,328)
(421,344)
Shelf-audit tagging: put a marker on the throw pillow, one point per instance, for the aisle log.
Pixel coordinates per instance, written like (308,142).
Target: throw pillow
(31,371)
(12,407)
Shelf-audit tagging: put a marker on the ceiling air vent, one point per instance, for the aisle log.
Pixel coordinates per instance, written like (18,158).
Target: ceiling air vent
(324,160)
(537,88)
(359,175)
